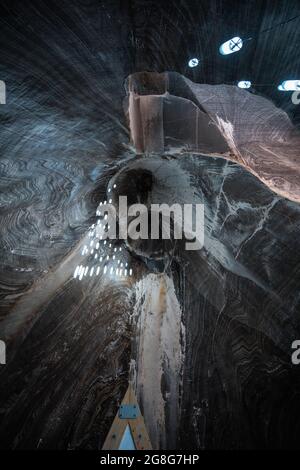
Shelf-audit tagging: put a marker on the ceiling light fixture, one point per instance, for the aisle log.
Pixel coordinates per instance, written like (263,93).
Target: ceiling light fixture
(193,62)
(244,84)
(289,85)
(232,45)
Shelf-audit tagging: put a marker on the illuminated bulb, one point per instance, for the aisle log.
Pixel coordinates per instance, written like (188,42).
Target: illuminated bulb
(109,190)
(121,265)
(98,270)
(104,202)
(104,242)
(121,271)
(86,271)
(92,243)
(120,249)
(125,272)
(130,272)
(92,270)
(289,85)
(119,261)
(117,271)
(233,45)
(81,275)
(193,62)
(76,271)
(115,249)
(114,185)
(110,201)
(105,217)
(96,256)
(100,259)
(244,84)
(97,245)
(113,257)
(100,203)
(110,245)
(107,257)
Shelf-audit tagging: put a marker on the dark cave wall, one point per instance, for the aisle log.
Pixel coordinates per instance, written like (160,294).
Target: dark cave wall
(239,331)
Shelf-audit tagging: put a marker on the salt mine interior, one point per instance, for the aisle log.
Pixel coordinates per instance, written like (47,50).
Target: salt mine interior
(120,341)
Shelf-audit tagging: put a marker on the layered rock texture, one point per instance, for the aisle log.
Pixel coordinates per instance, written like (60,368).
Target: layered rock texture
(204,336)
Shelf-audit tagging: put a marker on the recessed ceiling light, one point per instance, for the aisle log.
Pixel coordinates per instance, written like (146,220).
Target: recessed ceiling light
(244,84)
(289,85)
(193,62)
(232,45)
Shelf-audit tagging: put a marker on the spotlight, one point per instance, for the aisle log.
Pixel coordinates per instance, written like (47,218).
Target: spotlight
(244,84)
(289,85)
(193,62)
(233,45)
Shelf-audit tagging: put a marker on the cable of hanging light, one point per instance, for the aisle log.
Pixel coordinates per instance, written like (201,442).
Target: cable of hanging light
(236,43)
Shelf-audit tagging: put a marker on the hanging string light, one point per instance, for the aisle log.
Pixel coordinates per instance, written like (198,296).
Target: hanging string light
(98,243)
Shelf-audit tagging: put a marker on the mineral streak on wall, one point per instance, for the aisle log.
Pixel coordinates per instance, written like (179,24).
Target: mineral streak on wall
(159,357)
